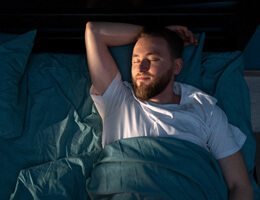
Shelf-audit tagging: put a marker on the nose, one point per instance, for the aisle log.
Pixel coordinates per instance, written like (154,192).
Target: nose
(144,65)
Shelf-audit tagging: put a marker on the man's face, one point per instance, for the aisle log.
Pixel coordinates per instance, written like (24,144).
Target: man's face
(152,67)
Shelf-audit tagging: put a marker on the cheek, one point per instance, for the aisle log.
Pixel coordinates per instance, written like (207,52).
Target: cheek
(134,70)
(158,68)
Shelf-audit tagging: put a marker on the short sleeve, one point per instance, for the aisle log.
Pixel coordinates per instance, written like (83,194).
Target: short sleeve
(112,97)
(225,139)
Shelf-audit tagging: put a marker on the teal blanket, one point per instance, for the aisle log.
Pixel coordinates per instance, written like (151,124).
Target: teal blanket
(134,168)
(156,168)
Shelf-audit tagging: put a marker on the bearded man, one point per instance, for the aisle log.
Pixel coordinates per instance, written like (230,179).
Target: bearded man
(156,105)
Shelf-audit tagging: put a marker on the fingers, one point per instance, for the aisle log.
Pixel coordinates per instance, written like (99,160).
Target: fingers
(191,39)
(187,36)
(195,40)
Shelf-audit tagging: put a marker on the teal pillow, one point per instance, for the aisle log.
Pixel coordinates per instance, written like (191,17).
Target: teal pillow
(123,59)
(251,52)
(191,70)
(14,55)
(5,37)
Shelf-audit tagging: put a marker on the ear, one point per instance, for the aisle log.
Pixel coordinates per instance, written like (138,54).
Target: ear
(178,63)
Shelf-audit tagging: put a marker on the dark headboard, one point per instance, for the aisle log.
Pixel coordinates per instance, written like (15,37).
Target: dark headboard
(61,24)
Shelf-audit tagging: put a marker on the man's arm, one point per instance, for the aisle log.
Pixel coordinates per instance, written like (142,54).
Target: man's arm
(98,36)
(236,176)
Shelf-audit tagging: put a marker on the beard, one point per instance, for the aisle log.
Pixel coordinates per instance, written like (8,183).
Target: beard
(144,91)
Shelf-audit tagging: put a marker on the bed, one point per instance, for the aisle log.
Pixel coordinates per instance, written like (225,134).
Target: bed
(50,130)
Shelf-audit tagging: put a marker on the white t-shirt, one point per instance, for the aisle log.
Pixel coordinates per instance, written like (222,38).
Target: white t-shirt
(196,118)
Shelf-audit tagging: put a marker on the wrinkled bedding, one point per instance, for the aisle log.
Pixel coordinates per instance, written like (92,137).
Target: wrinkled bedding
(135,168)
(156,168)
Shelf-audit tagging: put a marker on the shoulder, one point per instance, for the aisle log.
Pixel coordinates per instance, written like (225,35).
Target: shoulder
(200,102)
(193,94)
(117,90)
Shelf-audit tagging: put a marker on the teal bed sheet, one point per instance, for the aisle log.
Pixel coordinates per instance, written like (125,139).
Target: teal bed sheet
(59,147)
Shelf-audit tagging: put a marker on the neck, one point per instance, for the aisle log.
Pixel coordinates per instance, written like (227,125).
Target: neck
(167,96)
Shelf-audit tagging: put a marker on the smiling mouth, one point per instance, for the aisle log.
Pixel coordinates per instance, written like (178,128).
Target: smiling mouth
(143,77)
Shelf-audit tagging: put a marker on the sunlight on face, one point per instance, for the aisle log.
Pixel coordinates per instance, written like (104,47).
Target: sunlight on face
(152,67)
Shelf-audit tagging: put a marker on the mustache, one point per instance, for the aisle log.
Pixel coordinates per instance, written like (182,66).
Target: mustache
(144,74)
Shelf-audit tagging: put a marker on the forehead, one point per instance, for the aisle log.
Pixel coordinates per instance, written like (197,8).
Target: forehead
(151,44)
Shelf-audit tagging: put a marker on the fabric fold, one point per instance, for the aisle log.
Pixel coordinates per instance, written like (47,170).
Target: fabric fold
(159,168)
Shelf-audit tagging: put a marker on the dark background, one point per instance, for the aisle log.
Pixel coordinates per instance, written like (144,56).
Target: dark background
(61,24)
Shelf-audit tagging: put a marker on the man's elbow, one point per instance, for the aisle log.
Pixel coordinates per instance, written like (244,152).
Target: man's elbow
(92,27)
(91,31)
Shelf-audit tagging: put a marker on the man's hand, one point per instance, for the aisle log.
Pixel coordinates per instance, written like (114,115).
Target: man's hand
(187,36)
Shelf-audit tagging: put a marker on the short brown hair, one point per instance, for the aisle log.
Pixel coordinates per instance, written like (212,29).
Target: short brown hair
(174,41)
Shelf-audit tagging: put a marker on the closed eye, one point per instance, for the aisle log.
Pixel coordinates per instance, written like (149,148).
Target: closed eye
(135,61)
(154,59)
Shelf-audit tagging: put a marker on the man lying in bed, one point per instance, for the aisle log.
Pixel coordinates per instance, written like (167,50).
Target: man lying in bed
(156,105)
